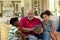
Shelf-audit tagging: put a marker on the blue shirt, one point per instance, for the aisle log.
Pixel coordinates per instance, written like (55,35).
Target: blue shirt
(48,27)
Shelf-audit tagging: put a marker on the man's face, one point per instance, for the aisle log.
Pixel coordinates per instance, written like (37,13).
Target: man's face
(31,15)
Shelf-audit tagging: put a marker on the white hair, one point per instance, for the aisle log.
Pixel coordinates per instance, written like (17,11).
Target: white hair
(29,11)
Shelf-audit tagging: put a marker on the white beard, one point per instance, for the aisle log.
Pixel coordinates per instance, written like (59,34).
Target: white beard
(30,18)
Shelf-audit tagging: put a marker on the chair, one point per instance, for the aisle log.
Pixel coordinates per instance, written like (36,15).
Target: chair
(4,31)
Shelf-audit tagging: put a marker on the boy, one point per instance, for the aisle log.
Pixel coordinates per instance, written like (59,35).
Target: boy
(14,33)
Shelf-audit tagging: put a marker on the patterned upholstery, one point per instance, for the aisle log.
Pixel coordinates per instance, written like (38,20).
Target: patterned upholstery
(4,31)
(4,28)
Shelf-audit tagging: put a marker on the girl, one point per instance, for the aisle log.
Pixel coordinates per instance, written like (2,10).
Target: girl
(48,24)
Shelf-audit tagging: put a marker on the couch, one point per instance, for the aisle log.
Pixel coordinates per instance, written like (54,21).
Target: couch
(4,29)
(5,26)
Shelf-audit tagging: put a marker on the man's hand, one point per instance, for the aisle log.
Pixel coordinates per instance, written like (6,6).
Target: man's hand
(39,31)
(27,29)
(31,29)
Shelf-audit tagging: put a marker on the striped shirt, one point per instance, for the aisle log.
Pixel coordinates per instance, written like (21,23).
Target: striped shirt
(12,32)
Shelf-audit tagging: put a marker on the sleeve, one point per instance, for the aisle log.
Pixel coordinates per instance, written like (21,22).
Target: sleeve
(21,23)
(15,30)
(12,30)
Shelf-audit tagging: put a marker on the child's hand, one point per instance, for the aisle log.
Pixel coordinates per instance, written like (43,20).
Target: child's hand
(25,36)
(55,32)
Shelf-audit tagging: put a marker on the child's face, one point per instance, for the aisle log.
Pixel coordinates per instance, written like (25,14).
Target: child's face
(16,23)
(46,17)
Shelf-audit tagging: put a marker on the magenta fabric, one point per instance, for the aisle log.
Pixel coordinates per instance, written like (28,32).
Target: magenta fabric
(25,22)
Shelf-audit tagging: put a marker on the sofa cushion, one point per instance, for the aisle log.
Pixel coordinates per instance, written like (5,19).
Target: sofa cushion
(4,31)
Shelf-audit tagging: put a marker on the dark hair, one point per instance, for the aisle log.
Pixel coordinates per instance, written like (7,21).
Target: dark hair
(12,20)
(47,12)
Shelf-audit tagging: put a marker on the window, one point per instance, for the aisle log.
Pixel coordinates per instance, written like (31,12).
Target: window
(17,7)
(59,7)
(36,7)
(55,7)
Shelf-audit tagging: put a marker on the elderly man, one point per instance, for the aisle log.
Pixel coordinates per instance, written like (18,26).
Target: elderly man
(27,25)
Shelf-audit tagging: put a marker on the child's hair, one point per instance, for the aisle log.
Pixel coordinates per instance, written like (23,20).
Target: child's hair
(47,12)
(12,20)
